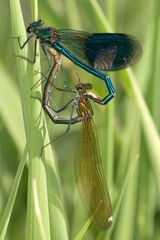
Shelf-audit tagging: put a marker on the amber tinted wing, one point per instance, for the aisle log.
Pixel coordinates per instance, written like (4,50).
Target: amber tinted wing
(89,175)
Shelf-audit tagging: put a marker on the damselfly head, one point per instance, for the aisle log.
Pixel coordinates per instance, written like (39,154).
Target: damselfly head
(34,26)
(82,87)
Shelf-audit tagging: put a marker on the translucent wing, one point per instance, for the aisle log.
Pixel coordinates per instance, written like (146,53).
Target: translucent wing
(102,51)
(90,179)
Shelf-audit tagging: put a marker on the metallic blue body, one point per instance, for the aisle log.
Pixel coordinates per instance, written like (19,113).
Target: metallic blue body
(92,52)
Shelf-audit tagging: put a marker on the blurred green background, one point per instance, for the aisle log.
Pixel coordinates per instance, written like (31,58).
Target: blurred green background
(128,129)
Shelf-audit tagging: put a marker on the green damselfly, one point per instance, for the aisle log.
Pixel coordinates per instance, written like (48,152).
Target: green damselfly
(88,164)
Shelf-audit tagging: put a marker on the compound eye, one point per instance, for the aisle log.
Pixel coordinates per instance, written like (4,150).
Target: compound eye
(80,89)
(40,22)
(88,86)
(29,29)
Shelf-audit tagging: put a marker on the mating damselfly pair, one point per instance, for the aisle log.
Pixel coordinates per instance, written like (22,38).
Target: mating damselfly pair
(91,52)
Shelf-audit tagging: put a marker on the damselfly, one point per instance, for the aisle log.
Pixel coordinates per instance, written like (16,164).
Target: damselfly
(88,164)
(90,51)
